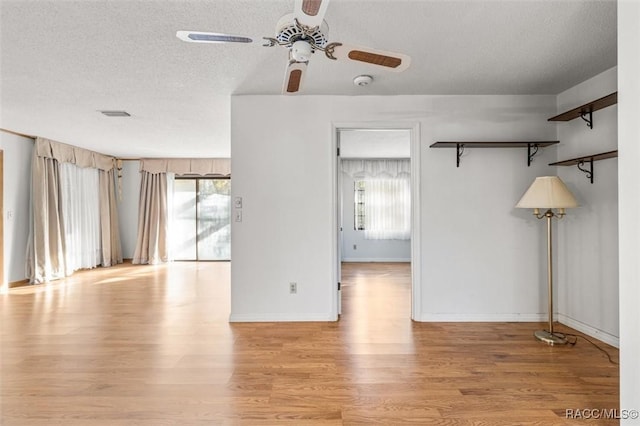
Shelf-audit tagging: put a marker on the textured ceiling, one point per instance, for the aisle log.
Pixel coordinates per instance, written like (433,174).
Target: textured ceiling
(61,61)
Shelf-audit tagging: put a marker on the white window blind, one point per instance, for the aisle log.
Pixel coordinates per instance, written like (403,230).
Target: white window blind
(387,209)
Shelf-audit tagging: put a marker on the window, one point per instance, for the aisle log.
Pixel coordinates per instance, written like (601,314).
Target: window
(383,208)
(358,208)
(201,223)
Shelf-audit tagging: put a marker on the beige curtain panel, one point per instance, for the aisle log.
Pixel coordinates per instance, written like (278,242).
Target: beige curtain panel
(45,259)
(187,166)
(47,251)
(110,228)
(151,242)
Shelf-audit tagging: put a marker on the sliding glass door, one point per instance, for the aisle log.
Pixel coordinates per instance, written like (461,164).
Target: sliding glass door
(201,219)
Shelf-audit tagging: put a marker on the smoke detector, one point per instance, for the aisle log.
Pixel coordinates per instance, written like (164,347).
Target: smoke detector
(363,80)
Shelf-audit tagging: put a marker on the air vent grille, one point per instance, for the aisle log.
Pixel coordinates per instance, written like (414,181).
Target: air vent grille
(116,113)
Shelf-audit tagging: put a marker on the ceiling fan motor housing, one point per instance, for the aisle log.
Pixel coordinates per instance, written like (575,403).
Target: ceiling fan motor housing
(288,31)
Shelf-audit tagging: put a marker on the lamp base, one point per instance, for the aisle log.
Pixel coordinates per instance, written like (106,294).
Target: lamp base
(551,339)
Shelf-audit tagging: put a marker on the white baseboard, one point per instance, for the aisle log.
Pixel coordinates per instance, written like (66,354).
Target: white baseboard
(375,259)
(427,317)
(445,317)
(278,317)
(590,331)
(563,319)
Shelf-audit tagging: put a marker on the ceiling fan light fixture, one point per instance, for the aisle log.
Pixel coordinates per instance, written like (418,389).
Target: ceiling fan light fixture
(363,80)
(301,51)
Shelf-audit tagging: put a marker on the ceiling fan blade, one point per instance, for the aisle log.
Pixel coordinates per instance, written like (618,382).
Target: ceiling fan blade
(203,37)
(293,77)
(310,12)
(392,61)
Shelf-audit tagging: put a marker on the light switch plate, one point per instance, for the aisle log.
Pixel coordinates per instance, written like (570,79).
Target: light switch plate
(237,202)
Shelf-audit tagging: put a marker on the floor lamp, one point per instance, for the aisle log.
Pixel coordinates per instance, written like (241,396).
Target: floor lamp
(550,193)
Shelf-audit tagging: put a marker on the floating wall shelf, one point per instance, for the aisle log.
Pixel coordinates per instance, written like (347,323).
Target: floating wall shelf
(532,147)
(587,159)
(586,111)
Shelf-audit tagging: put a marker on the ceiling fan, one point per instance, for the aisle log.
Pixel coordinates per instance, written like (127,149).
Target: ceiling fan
(304,32)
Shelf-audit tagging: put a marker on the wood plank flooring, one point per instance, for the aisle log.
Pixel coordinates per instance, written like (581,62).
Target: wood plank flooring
(151,345)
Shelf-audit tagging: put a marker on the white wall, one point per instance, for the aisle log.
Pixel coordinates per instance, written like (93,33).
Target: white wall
(587,259)
(481,258)
(17,181)
(366,250)
(629,213)
(128,207)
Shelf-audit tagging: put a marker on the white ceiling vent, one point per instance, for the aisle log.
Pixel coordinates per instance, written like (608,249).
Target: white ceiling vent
(116,113)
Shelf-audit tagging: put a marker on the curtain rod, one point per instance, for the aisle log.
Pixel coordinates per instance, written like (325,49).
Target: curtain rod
(17,133)
(34,138)
(164,158)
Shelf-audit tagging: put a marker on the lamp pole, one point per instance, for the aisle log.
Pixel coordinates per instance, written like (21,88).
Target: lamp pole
(548,336)
(549,216)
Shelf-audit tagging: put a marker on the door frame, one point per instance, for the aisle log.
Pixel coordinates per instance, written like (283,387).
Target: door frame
(416,271)
(3,281)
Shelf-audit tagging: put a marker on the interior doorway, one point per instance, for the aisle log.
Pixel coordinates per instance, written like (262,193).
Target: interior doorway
(376,204)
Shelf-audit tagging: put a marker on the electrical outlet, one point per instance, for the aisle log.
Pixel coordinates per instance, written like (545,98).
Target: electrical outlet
(293,288)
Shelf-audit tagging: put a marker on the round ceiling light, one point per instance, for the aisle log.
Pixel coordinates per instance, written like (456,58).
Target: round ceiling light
(301,51)
(363,80)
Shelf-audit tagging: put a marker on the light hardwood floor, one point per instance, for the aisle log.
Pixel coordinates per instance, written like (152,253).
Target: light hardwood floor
(151,345)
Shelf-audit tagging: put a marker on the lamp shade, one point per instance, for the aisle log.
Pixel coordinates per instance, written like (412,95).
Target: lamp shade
(547,192)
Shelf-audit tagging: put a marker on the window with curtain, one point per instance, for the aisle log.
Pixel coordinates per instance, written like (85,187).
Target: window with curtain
(81,216)
(74,218)
(382,197)
(160,210)
(387,208)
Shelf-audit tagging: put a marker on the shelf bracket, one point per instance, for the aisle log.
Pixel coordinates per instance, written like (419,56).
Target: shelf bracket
(587,116)
(532,150)
(589,171)
(459,151)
